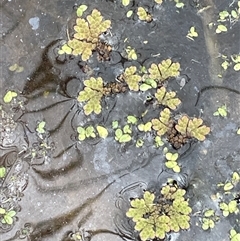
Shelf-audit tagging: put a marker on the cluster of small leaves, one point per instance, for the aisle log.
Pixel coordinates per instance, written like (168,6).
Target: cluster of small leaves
(144,15)
(131,78)
(154,217)
(90,132)
(192,33)
(123,135)
(8,97)
(131,53)
(92,94)
(172,162)
(16,68)
(228,208)
(86,34)
(225,16)
(192,128)
(168,99)
(234,61)
(209,219)
(7,216)
(221,111)
(164,70)
(231,206)
(234,236)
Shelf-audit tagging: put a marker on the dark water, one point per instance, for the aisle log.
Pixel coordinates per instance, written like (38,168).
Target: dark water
(62,186)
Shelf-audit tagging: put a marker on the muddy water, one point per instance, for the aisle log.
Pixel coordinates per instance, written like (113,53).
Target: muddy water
(67,187)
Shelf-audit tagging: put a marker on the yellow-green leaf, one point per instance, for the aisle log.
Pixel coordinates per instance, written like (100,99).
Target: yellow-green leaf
(81,9)
(40,127)
(9,96)
(129,13)
(125,2)
(102,131)
(228,186)
(236,67)
(221,28)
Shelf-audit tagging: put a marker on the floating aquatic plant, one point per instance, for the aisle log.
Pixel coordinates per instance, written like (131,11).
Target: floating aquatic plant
(228,208)
(168,99)
(131,53)
(192,128)
(40,127)
(234,236)
(7,216)
(161,125)
(236,61)
(158,141)
(102,131)
(16,68)
(156,216)
(209,219)
(86,34)
(148,84)
(172,161)
(192,33)
(92,94)
(81,9)
(164,70)
(124,135)
(132,120)
(131,78)
(87,132)
(221,111)
(143,15)
(8,97)
(145,127)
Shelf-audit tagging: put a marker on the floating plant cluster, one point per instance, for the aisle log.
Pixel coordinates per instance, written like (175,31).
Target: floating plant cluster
(154,216)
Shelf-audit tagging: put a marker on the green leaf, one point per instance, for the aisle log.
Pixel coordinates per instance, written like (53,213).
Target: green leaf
(9,96)
(228,186)
(222,111)
(234,14)
(179,5)
(145,127)
(129,13)
(235,178)
(90,132)
(125,3)
(177,169)
(7,219)
(11,213)
(115,124)
(40,127)
(171,156)
(232,206)
(127,129)
(236,67)
(2,211)
(102,131)
(171,164)
(221,28)
(2,172)
(158,141)
(125,138)
(238,131)
(132,119)
(81,9)
(66,49)
(145,87)
(118,133)
(209,213)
